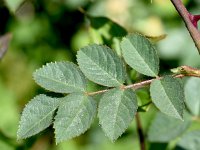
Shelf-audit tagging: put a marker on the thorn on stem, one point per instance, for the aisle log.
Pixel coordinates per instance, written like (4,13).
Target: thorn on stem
(194,19)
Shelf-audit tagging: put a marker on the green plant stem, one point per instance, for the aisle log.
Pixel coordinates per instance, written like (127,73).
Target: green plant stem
(140,132)
(180,72)
(190,21)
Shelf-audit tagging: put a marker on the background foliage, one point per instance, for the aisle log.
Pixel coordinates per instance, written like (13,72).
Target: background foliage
(46,31)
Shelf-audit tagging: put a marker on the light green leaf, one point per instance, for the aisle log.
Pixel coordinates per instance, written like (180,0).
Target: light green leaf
(190,141)
(74,116)
(61,77)
(167,94)
(101,65)
(117,108)
(140,54)
(13,4)
(165,128)
(192,95)
(37,115)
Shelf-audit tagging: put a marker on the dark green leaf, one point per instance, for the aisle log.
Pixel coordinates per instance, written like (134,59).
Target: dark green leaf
(74,116)
(37,115)
(61,77)
(165,128)
(114,29)
(192,95)
(140,54)
(167,94)
(101,65)
(116,111)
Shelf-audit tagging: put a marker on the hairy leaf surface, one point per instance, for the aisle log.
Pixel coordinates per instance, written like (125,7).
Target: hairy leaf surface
(165,128)
(192,95)
(37,115)
(74,116)
(116,111)
(140,54)
(101,65)
(167,94)
(61,77)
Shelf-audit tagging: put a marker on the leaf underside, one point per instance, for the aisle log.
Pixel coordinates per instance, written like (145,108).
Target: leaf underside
(116,111)
(190,140)
(61,77)
(101,65)
(192,95)
(37,115)
(168,96)
(165,128)
(74,116)
(140,54)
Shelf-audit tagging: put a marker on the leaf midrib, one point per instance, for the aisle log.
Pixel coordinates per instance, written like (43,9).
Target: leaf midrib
(35,124)
(63,83)
(109,75)
(146,64)
(75,116)
(162,87)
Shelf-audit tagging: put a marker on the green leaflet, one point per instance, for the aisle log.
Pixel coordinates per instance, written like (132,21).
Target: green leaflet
(167,94)
(165,128)
(140,54)
(61,77)
(116,111)
(192,95)
(37,115)
(190,140)
(101,65)
(13,4)
(74,116)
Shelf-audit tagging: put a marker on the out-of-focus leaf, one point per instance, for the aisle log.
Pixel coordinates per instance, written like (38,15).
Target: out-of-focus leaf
(140,54)
(165,128)
(114,29)
(168,95)
(192,95)
(74,116)
(9,112)
(4,43)
(37,115)
(61,77)
(190,140)
(155,39)
(101,65)
(13,4)
(105,31)
(116,111)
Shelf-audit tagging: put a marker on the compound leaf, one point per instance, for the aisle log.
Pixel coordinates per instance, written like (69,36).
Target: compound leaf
(190,140)
(192,95)
(165,128)
(167,94)
(140,54)
(74,116)
(61,77)
(37,115)
(116,111)
(101,65)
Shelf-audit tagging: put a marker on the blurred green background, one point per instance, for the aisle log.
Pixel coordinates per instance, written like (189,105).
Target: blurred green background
(53,30)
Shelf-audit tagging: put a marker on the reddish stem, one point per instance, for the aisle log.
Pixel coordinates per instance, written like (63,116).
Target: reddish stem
(190,21)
